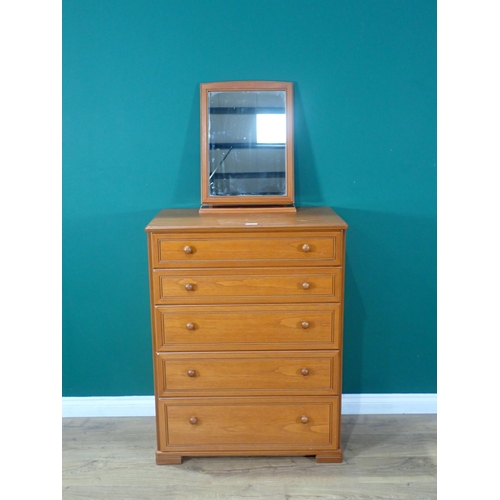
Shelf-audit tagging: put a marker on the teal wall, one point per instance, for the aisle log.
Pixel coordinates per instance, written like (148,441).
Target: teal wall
(365,129)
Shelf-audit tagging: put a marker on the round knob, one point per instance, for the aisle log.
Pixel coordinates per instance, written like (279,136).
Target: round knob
(191,373)
(193,420)
(304,419)
(304,371)
(306,248)
(305,285)
(305,324)
(189,287)
(188,249)
(190,326)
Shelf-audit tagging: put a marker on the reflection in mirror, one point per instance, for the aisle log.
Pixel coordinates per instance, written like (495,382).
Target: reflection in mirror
(247,143)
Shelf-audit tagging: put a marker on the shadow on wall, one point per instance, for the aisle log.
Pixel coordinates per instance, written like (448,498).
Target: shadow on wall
(390,303)
(188,188)
(307,186)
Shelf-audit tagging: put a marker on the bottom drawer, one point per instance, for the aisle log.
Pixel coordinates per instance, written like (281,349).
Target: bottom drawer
(246,423)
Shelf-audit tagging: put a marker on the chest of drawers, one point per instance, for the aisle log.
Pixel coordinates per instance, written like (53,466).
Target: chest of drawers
(247,318)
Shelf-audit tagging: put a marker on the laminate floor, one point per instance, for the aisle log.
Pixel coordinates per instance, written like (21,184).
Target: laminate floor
(385,457)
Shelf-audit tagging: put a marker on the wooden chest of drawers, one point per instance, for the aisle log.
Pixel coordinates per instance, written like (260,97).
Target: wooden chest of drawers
(247,315)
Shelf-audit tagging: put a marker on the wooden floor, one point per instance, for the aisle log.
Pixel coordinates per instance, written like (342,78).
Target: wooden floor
(385,456)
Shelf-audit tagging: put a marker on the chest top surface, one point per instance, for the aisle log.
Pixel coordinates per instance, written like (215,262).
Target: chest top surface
(192,220)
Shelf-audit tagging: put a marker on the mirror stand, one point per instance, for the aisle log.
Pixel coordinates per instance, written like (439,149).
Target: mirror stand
(270,209)
(246,132)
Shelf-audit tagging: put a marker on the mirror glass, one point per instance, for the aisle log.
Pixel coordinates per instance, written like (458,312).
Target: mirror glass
(247,143)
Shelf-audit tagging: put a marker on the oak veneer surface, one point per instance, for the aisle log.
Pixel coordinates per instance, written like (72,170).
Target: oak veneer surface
(259,327)
(247,313)
(254,372)
(385,457)
(247,285)
(187,219)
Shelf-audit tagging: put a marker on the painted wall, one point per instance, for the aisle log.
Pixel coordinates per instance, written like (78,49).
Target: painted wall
(365,131)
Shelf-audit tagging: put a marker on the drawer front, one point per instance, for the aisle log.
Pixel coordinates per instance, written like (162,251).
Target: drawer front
(185,250)
(243,423)
(276,285)
(188,328)
(258,373)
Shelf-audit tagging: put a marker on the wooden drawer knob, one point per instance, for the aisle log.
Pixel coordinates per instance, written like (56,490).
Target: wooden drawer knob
(193,420)
(306,248)
(188,249)
(304,419)
(191,373)
(305,285)
(190,326)
(189,287)
(305,325)
(304,371)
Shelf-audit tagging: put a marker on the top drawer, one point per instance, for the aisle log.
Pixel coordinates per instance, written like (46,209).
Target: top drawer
(236,250)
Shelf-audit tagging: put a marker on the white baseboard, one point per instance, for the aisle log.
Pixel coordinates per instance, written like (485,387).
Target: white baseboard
(352,404)
(369,404)
(112,406)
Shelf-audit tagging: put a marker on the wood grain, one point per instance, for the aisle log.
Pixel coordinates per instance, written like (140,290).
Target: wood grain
(187,250)
(247,327)
(246,427)
(236,373)
(189,220)
(249,283)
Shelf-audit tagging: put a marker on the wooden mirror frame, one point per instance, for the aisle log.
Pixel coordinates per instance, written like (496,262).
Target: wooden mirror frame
(271,203)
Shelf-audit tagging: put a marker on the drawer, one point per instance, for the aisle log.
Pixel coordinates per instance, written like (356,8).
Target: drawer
(243,423)
(271,327)
(223,250)
(263,373)
(247,285)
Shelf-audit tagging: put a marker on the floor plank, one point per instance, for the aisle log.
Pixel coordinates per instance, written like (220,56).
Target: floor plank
(385,457)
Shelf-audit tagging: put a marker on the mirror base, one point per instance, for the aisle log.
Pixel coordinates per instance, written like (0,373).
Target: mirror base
(234,209)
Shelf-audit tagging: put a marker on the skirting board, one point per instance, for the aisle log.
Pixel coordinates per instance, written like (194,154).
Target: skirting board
(352,404)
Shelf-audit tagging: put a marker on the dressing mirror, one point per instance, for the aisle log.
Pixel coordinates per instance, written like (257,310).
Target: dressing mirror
(247,146)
